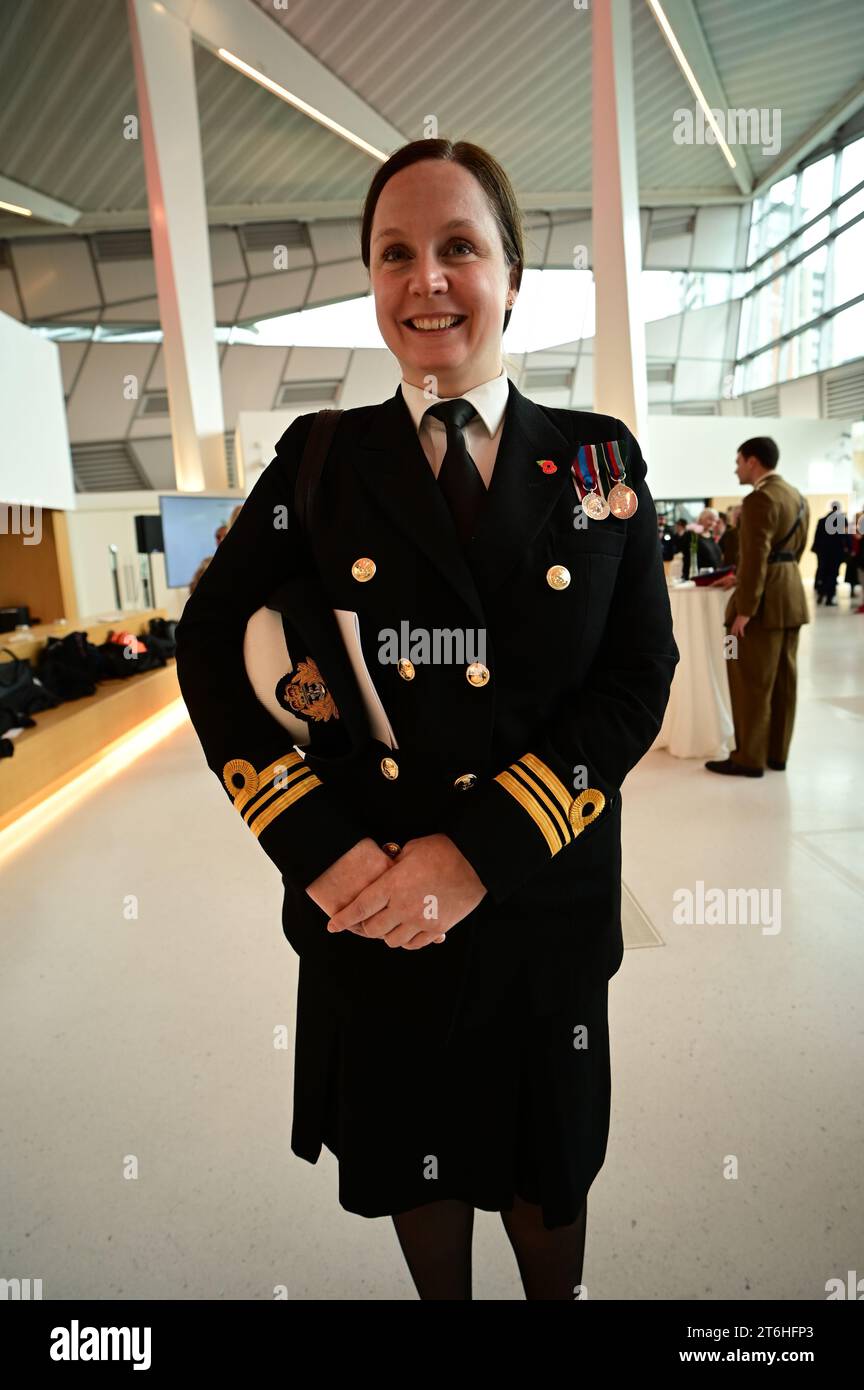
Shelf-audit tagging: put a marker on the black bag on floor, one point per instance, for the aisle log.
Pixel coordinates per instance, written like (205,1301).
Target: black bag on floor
(20,688)
(70,666)
(123,654)
(160,637)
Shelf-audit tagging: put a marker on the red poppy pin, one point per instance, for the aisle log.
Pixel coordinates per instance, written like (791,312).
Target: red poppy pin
(548,466)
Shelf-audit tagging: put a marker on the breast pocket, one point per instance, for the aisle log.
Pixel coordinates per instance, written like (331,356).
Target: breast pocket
(580,577)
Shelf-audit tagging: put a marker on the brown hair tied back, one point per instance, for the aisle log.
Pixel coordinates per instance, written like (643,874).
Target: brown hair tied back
(489,174)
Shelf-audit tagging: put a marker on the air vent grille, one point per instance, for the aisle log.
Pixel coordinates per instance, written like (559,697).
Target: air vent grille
(298,392)
(108,466)
(132,245)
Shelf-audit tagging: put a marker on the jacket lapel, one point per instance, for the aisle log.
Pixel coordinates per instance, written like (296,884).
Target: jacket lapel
(390,460)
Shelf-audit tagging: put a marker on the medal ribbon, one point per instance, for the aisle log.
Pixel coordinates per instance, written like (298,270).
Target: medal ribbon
(585,471)
(612,457)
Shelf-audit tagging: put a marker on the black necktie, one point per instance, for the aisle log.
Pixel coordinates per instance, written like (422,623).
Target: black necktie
(458,477)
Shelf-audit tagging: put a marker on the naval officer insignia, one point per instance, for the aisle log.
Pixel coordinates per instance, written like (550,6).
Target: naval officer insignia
(304,693)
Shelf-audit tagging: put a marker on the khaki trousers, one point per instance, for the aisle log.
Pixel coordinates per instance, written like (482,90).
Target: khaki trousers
(762,684)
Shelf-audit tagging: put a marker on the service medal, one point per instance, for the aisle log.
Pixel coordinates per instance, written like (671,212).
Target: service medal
(586,480)
(622,500)
(595,506)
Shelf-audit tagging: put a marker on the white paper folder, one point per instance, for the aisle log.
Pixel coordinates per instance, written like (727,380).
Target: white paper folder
(349,626)
(267,660)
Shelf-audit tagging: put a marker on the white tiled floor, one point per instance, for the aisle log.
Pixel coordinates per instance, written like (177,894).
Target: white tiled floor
(149,1039)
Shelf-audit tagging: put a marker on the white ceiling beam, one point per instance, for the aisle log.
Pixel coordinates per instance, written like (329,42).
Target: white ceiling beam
(688,30)
(20,195)
(844,108)
(260,41)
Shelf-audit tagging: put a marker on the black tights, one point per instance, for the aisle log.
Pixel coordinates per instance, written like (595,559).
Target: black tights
(436,1242)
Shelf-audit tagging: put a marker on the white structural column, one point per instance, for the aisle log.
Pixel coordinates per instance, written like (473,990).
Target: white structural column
(620,385)
(168,111)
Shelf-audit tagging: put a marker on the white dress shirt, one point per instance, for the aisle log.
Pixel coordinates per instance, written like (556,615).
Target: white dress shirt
(482,434)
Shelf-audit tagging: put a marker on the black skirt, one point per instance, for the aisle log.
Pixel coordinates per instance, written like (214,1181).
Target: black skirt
(518,1104)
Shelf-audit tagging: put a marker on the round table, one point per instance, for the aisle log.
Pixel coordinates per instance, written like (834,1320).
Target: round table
(698,720)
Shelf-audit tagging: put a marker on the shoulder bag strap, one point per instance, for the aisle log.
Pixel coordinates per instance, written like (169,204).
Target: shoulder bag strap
(312,465)
(780,544)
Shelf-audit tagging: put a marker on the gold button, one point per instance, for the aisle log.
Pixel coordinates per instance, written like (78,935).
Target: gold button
(477,673)
(558,576)
(468,779)
(406,669)
(363,569)
(391,848)
(390,768)
(579,816)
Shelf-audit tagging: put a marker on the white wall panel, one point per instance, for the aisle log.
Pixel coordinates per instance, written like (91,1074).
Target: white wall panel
(156,375)
(149,427)
(334,282)
(659,394)
(156,457)
(335,241)
(226,301)
(273,294)
(138,311)
(704,332)
(250,377)
(35,463)
(583,394)
(668,252)
(70,360)
(565,236)
(800,397)
(714,238)
(107,518)
(313,363)
(697,380)
(263,262)
(98,408)
(9,302)
(127,280)
(226,258)
(661,338)
(373,375)
(54,275)
(693,456)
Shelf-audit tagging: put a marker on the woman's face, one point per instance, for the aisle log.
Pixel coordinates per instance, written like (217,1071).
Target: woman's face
(421,266)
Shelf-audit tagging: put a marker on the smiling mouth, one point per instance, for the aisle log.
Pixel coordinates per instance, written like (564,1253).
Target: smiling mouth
(449,322)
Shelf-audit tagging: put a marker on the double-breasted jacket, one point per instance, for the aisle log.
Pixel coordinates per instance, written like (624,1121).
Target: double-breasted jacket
(513,735)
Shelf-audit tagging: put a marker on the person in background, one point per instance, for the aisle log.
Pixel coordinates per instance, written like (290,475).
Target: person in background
(667,537)
(830,545)
(729,539)
(708,554)
(855,558)
(709,518)
(679,535)
(219,534)
(765,613)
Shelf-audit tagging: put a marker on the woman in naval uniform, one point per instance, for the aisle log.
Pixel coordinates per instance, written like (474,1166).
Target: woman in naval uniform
(452,884)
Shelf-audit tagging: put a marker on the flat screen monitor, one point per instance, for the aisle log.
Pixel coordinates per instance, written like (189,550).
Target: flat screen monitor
(189,525)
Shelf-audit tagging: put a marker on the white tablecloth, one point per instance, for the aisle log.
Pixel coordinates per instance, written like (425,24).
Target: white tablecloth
(698,720)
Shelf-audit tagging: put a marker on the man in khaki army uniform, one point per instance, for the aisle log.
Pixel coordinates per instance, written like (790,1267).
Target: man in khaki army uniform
(765,613)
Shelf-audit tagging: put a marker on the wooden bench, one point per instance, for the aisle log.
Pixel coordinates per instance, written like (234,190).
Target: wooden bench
(73,736)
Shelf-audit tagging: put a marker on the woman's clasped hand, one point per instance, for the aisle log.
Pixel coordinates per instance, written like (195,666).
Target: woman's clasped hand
(411,900)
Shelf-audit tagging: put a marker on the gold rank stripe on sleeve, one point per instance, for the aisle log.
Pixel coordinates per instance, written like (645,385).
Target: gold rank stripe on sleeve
(253,792)
(557,814)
